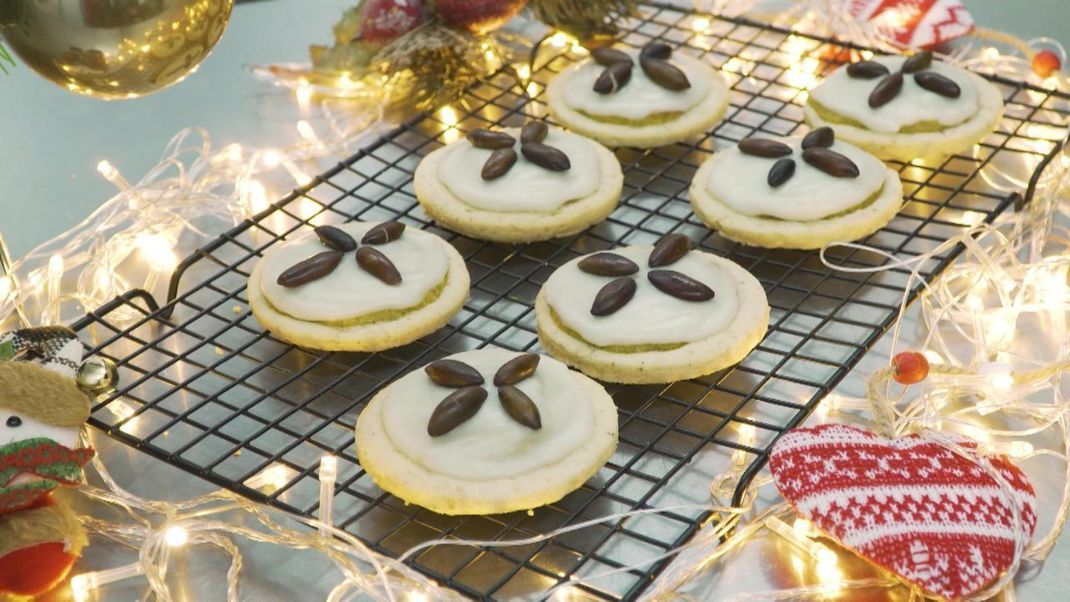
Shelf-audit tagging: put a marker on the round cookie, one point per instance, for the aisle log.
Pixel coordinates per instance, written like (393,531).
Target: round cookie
(664,97)
(938,110)
(486,432)
(506,186)
(795,193)
(325,290)
(645,314)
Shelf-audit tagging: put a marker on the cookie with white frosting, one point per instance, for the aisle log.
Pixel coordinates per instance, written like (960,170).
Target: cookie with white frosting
(642,98)
(651,314)
(359,286)
(904,108)
(487,431)
(519,185)
(796,193)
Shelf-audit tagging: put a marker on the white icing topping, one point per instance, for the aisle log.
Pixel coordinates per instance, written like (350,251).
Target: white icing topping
(350,292)
(490,445)
(740,181)
(651,317)
(641,97)
(526,186)
(33,429)
(849,97)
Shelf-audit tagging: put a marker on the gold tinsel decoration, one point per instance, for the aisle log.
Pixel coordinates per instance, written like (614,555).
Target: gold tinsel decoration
(433,64)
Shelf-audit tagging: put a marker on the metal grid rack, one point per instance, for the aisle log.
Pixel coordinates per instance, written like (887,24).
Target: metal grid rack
(205,388)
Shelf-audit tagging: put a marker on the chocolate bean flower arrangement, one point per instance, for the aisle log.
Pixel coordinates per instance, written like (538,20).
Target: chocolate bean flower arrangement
(339,243)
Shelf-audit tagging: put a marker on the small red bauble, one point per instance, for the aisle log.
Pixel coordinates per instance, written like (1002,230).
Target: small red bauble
(384,21)
(910,367)
(1045,63)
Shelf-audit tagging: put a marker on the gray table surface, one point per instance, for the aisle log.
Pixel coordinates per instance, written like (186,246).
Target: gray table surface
(53,141)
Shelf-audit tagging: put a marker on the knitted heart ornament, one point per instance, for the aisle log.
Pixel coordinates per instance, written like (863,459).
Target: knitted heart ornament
(909,505)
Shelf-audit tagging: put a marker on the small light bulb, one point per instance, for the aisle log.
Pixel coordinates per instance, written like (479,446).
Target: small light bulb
(106,169)
(1000,375)
(176,536)
(328,467)
(700,24)
(55,266)
(271,158)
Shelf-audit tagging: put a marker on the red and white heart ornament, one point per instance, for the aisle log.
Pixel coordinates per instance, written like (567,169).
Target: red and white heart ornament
(910,505)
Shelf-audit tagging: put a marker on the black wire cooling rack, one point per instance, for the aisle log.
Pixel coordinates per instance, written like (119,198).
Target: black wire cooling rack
(205,388)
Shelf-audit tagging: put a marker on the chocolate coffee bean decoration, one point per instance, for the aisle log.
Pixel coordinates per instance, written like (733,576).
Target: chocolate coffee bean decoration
(867,70)
(336,238)
(516,369)
(534,131)
(613,296)
(456,409)
(938,84)
(606,56)
(489,139)
(608,264)
(669,249)
(822,136)
(545,156)
(665,74)
(886,90)
(498,164)
(656,50)
(313,268)
(613,78)
(918,62)
(519,407)
(781,172)
(679,285)
(453,373)
(371,260)
(831,162)
(763,147)
(383,233)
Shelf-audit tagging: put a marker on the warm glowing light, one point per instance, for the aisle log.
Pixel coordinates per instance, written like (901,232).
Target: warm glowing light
(175,536)
(1000,375)
(106,169)
(802,527)
(700,24)
(256,196)
(449,116)
(55,266)
(271,158)
(559,39)
(233,152)
(935,359)
(304,95)
(523,71)
(745,437)
(972,218)
(828,569)
(157,251)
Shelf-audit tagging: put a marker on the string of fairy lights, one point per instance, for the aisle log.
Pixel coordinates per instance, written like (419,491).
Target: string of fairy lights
(982,381)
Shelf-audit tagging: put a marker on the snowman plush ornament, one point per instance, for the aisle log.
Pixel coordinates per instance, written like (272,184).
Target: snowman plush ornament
(42,411)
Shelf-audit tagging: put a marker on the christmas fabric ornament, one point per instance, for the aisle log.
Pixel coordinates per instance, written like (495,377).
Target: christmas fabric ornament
(916,23)
(42,411)
(910,505)
(477,16)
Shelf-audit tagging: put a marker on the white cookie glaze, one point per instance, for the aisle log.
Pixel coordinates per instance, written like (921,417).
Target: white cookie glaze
(350,292)
(490,445)
(641,97)
(740,181)
(526,186)
(651,317)
(849,97)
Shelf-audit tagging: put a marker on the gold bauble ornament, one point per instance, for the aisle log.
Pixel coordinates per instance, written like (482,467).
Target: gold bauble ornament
(97,374)
(113,48)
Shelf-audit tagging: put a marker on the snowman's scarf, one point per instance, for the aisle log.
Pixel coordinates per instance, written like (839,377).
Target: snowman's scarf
(54,464)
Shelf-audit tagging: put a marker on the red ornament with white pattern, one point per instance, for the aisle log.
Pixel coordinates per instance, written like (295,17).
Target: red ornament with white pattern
(911,505)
